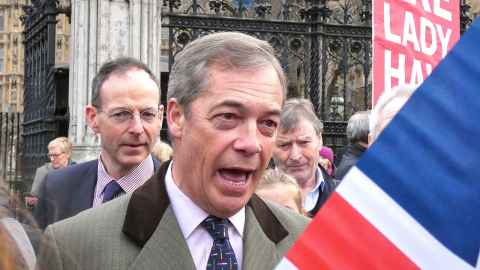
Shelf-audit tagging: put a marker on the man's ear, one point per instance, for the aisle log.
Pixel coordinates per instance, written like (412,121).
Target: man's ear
(159,120)
(91,117)
(175,118)
(160,112)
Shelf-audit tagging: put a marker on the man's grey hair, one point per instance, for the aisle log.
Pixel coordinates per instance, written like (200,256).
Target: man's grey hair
(118,67)
(228,51)
(296,109)
(358,127)
(401,91)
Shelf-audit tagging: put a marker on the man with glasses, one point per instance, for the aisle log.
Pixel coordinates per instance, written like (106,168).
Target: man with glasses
(59,151)
(126,113)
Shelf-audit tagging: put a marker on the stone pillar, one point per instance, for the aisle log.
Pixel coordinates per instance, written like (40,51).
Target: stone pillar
(103,30)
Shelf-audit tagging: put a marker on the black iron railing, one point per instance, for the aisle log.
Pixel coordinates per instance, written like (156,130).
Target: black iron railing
(10,149)
(46,86)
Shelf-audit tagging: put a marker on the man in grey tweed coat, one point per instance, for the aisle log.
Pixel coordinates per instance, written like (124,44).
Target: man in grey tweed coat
(198,211)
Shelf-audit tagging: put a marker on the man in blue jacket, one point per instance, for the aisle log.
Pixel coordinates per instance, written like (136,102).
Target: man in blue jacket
(126,113)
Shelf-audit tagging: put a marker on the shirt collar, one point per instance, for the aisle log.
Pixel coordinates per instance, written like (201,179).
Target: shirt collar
(188,214)
(129,182)
(320,182)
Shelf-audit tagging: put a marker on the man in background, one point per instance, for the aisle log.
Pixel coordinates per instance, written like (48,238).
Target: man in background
(357,135)
(127,115)
(297,152)
(388,105)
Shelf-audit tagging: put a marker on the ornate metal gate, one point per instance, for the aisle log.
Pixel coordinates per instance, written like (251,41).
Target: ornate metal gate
(46,86)
(324,47)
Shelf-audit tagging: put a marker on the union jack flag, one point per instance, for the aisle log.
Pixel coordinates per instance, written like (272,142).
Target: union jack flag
(413,200)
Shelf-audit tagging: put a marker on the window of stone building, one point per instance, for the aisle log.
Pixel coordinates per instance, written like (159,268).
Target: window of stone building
(2,59)
(14,61)
(60,23)
(16,22)
(2,19)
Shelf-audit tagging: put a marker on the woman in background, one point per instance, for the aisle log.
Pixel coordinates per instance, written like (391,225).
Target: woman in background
(162,151)
(281,188)
(326,160)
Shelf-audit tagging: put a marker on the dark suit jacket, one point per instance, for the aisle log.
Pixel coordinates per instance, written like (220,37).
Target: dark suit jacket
(330,184)
(68,191)
(352,154)
(140,232)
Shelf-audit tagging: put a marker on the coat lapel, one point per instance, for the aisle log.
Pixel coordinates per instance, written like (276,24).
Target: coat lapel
(263,232)
(259,252)
(151,224)
(166,248)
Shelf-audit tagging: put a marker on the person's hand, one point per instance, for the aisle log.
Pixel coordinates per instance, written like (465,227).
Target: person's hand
(31,200)
(324,162)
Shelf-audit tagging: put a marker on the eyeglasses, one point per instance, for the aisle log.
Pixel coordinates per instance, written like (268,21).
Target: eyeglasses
(51,155)
(122,116)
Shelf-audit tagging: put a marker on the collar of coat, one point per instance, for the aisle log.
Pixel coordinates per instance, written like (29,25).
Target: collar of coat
(149,202)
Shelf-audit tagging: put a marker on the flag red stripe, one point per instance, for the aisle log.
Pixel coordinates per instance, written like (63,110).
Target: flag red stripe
(340,238)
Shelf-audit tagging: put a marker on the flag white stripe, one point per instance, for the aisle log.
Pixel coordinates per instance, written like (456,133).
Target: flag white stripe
(396,224)
(285,264)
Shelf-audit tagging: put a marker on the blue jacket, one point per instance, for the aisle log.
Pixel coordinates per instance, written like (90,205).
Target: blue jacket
(68,191)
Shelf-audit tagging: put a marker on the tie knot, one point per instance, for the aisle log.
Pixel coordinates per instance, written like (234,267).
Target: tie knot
(216,227)
(112,190)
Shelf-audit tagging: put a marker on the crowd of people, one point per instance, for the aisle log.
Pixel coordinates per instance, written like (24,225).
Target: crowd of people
(205,200)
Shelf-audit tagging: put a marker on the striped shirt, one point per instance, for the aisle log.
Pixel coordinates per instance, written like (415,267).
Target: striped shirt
(129,182)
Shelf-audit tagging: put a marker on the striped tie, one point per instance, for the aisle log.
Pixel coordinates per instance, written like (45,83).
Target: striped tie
(222,256)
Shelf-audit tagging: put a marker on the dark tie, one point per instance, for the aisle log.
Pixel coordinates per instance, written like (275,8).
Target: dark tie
(222,256)
(111,191)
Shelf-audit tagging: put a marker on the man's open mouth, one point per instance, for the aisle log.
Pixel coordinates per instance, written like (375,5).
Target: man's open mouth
(237,176)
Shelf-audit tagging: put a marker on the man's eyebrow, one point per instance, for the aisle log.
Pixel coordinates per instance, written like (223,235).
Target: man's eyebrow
(274,112)
(230,103)
(241,107)
(131,108)
(283,140)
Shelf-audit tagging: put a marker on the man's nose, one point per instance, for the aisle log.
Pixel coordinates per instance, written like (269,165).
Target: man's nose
(295,152)
(249,141)
(136,124)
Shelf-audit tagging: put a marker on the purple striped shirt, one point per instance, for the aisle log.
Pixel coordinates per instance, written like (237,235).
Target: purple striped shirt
(129,182)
